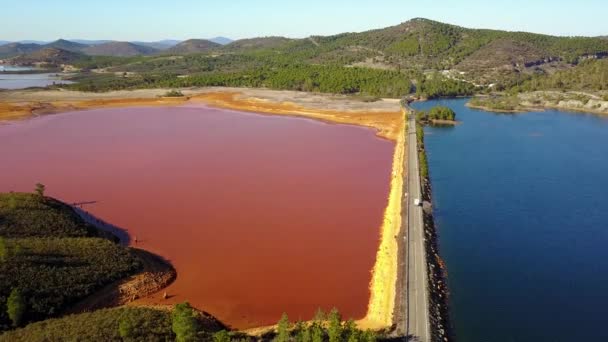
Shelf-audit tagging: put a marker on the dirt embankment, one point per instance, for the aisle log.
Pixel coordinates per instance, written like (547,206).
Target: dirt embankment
(156,274)
(384,276)
(441,328)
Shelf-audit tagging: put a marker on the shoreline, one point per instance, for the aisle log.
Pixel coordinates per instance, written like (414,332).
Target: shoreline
(524,108)
(156,273)
(441,328)
(384,283)
(384,116)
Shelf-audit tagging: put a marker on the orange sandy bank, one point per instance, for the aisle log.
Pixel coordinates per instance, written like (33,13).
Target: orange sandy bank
(386,122)
(24,110)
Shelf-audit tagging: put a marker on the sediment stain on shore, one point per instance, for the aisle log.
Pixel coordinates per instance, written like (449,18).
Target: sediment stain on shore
(260,215)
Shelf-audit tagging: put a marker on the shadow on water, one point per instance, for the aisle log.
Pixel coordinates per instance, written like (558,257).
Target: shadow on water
(122,234)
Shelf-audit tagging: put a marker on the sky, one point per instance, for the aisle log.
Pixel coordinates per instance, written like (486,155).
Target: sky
(151,20)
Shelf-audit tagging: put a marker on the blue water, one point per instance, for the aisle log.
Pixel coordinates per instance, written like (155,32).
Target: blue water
(521,204)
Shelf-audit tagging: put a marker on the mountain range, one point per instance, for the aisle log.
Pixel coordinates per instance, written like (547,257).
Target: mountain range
(98,47)
(480,56)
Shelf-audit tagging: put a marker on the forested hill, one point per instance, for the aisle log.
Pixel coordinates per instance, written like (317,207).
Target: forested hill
(418,53)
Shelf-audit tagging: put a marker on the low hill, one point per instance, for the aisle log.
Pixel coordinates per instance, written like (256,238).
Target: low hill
(140,324)
(192,46)
(50,56)
(66,45)
(415,50)
(26,215)
(119,49)
(159,45)
(505,59)
(15,49)
(258,43)
(590,75)
(52,257)
(221,40)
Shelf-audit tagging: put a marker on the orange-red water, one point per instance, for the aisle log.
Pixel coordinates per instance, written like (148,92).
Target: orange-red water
(260,215)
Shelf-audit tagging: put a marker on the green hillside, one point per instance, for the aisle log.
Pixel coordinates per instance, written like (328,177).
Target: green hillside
(119,324)
(24,215)
(50,259)
(590,75)
(389,62)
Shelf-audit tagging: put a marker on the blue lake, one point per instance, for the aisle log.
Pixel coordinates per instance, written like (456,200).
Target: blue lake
(22,81)
(521,205)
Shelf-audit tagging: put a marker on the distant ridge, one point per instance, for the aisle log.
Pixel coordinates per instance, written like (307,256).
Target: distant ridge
(258,43)
(51,56)
(192,46)
(221,40)
(119,49)
(14,49)
(65,45)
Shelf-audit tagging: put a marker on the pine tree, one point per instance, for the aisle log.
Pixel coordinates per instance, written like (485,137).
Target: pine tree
(184,323)
(335,326)
(16,307)
(221,336)
(126,328)
(3,250)
(283,329)
(39,190)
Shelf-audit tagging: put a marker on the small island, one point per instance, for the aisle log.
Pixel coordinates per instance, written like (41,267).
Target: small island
(438,115)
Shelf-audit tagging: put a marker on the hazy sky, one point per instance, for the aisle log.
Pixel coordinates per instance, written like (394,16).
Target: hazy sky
(181,19)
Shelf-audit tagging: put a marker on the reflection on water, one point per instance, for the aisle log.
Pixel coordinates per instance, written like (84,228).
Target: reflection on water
(21,81)
(521,205)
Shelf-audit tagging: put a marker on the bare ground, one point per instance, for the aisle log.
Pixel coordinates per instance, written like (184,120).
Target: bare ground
(383,115)
(156,274)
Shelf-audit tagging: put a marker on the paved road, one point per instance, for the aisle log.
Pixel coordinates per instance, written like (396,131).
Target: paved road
(417,324)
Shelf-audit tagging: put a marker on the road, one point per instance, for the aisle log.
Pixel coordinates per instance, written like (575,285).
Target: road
(417,313)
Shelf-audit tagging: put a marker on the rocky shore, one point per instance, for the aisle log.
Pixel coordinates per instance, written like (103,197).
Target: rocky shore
(441,329)
(595,103)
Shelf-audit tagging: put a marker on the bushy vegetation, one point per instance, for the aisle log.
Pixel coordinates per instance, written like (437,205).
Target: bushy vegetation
(498,103)
(422,161)
(442,113)
(320,63)
(33,215)
(52,273)
(50,258)
(174,93)
(184,323)
(324,79)
(436,113)
(121,324)
(324,328)
(590,75)
(438,86)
